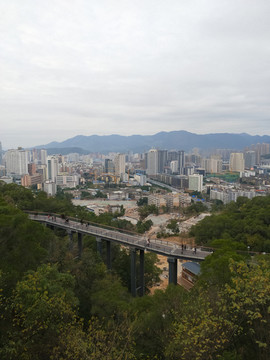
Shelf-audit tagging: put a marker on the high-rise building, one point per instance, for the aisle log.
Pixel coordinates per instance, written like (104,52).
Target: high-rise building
(181,161)
(195,182)
(152,162)
(17,161)
(250,159)
(260,149)
(212,165)
(172,155)
(162,160)
(52,168)
(35,156)
(120,164)
(109,166)
(43,157)
(237,162)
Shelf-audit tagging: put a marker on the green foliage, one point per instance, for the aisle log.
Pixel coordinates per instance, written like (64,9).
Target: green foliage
(217,206)
(215,270)
(110,298)
(143,226)
(86,195)
(202,332)
(100,195)
(146,210)
(248,297)
(46,310)
(86,271)
(195,209)
(24,244)
(142,201)
(43,308)
(246,222)
(173,226)
(154,317)
(121,266)
(112,342)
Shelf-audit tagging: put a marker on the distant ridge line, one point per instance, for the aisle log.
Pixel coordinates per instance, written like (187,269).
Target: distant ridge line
(178,140)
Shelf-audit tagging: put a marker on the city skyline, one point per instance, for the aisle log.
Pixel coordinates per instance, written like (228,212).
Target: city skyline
(125,68)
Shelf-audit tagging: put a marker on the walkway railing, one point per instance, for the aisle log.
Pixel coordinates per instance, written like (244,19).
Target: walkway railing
(158,246)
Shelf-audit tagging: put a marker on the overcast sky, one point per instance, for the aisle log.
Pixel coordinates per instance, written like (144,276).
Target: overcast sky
(132,67)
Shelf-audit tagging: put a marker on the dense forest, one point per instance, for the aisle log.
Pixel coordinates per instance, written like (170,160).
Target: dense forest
(55,305)
(245,222)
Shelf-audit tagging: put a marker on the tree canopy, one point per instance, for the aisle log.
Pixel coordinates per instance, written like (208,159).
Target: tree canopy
(55,305)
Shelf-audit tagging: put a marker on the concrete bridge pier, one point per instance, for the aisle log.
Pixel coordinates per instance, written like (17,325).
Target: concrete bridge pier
(133,279)
(80,244)
(133,271)
(108,255)
(99,245)
(172,270)
(70,235)
(108,251)
(142,282)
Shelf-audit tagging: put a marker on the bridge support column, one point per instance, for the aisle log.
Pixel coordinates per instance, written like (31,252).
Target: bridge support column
(99,245)
(172,270)
(142,284)
(108,255)
(70,235)
(80,244)
(133,271)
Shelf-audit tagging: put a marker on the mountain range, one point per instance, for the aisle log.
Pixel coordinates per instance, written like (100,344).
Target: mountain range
(178,140)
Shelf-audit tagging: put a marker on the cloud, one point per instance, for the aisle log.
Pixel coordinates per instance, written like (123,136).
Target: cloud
(126,67)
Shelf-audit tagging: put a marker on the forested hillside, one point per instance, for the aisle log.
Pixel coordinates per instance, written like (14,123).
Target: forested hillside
(54,305)
(244,221)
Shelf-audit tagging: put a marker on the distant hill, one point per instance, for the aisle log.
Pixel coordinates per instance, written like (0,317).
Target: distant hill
(179,140)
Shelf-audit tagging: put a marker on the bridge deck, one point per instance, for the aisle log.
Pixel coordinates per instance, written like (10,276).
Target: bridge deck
(157,246)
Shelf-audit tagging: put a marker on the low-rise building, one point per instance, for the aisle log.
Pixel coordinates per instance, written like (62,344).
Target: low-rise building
(50,187)
(190,272)
(67,181)
(30,180)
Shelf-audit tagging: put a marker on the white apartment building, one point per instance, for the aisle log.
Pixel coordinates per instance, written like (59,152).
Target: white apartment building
(237,162)
(195,182)
(52,168)
(140,178)
(228,195)
(17,162)
(152,162)
(50,188)
(212,166)
(174,166)
(120,164)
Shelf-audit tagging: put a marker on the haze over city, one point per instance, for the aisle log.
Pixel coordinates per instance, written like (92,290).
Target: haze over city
(106,67)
